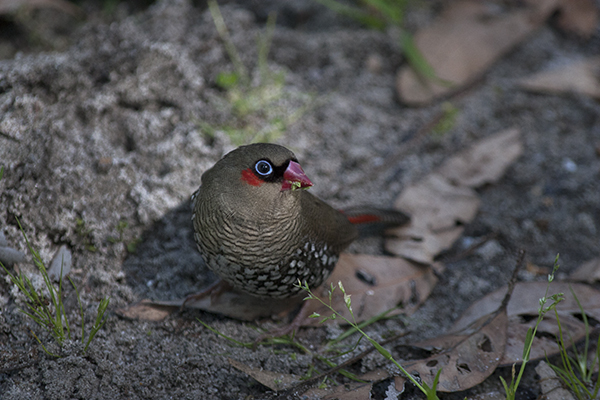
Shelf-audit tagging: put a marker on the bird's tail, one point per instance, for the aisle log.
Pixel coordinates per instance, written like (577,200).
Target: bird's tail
(373,221)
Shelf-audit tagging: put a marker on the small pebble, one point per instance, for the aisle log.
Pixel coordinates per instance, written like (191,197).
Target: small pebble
(489,250)
(467,241)
(569,165)
(103,165)
(8,255)
(374,63)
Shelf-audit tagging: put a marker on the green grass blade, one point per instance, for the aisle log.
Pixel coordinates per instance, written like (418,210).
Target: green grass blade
(528,343)
(264,45)
(391,10)
(582,358)
(418,62)
(61,312)
(80,310)
(234,56)
(39,308)
(43,347)
(506,388)
(100,321)
(355,13)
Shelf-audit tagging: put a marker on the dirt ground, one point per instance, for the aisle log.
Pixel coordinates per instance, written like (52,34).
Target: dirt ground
(112,128)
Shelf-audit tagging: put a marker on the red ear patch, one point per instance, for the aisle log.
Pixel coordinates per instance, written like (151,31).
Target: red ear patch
(250,178)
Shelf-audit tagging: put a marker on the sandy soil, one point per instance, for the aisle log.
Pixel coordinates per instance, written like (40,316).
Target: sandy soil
(111,129)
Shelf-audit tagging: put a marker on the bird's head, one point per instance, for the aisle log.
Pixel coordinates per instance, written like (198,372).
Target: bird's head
(258,173)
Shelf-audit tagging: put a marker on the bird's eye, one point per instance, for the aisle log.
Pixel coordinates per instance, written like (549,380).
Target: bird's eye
(263,168)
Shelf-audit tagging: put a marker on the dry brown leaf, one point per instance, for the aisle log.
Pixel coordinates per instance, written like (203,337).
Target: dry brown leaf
(444,201)
(467,357)
(437,204)
(465,41)
(522,313)
(350,391)
(485,161)
(231,304)
(146,310)
(589,272)
(400,383)
(273,380)
(582,76)
(437,209)
(376,375)
(551,385)
(246,307)
(376,284)
(578,16)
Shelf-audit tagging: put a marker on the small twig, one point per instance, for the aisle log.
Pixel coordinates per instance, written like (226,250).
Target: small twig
(469,250)
(513,279)
(511,286)
(315,379)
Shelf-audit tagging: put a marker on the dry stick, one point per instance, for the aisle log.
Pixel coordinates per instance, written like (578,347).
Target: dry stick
(511,286)
(513,280)
(468,251)
(309,382)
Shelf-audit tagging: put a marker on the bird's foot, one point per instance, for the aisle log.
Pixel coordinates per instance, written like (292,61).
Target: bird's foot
(289,328)
(214,291)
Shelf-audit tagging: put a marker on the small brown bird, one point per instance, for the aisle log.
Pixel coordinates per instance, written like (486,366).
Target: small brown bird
(260,233)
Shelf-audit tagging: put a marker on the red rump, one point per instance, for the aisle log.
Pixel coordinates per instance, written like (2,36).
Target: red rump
(363,219)
(250,178)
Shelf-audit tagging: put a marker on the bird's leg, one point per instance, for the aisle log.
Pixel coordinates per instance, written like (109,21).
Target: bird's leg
(214,290)
(289,328)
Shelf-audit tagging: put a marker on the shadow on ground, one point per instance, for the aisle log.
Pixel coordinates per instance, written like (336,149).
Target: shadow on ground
(166,264)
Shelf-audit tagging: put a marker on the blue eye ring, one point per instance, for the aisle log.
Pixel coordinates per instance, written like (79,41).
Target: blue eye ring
(263,168)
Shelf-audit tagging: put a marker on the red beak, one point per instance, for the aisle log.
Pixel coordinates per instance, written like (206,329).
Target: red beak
(295,178)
